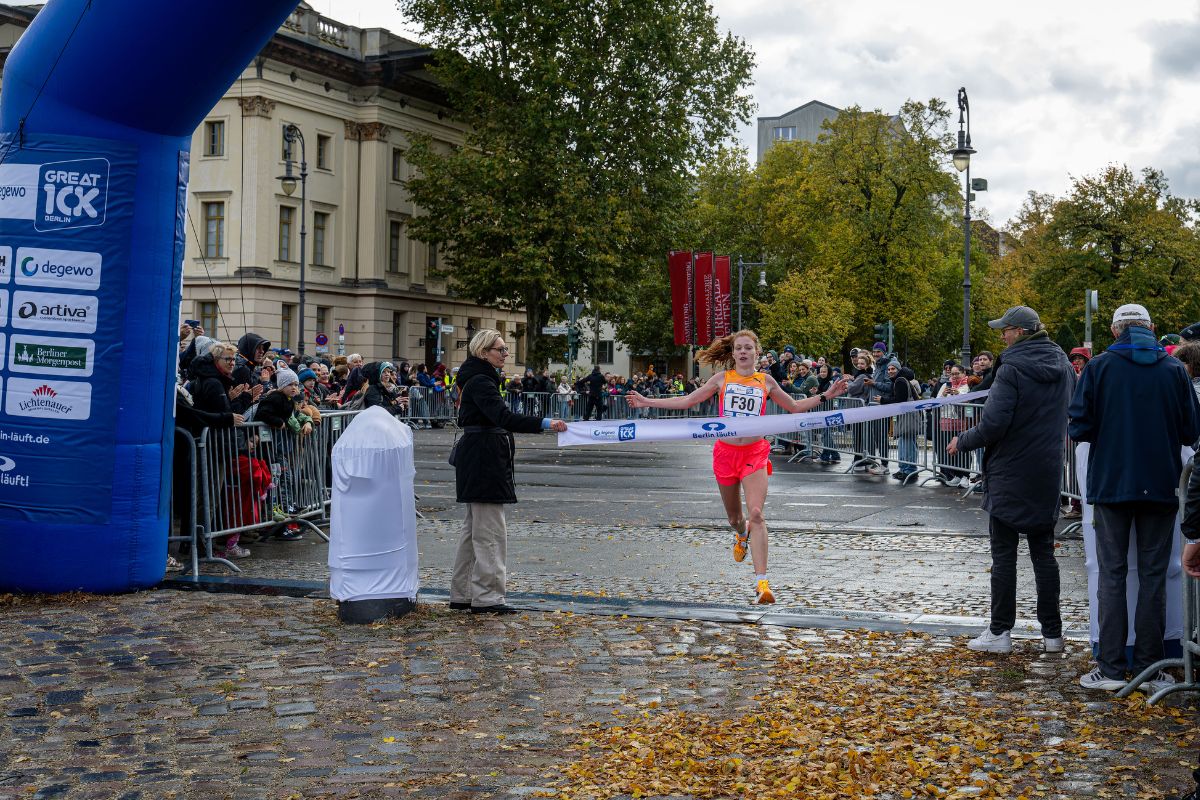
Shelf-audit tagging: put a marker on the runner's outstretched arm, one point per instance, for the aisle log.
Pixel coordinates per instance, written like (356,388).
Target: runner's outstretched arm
(706,391)
(791,404)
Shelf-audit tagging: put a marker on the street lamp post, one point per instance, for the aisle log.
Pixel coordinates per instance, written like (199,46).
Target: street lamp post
(287,181)
(762,281)
(962,162)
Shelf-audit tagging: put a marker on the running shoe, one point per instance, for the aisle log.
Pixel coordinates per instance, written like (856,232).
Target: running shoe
(741,546)
(765,597)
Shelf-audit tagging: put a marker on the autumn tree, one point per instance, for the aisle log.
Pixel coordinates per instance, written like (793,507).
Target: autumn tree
(585,121)
(1122,234)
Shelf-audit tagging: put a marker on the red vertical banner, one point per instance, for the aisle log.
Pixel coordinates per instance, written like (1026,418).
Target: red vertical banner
(704,299)
(679,270)
(722,297)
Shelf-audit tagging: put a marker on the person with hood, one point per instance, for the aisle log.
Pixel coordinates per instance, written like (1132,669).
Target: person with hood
(382,389)
(251,349)
(1021,431)
(860,372)
(1080,356)
(483,460)
(878,387)
(1137,408)
(906,425)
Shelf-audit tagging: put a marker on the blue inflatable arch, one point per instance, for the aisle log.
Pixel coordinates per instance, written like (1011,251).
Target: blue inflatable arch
(99,103)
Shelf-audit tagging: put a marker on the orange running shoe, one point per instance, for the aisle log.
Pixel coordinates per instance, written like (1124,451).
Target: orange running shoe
(741,546)
(764,593)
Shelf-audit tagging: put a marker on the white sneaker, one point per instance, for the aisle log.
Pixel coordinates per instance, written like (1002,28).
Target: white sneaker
(877,469)
(1159,682)
(988,642)
(1052,645)
(1096,680)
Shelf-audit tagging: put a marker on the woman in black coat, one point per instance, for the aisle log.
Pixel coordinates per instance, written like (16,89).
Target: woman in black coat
(483,468)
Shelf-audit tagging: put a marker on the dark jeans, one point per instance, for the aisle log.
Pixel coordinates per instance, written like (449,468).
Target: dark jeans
(1005,538)
(597,403)
(1155,526)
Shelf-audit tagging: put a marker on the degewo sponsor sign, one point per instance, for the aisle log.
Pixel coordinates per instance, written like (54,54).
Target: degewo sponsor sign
(58,269)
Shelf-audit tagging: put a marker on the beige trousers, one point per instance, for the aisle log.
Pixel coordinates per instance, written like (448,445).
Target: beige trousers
(479,571)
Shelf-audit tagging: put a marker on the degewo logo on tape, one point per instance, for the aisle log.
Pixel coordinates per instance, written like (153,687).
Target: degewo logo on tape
(58,269)
(72,194)
(626,433)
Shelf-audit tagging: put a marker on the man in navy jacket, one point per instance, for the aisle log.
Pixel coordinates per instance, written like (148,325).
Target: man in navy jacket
(1137,408)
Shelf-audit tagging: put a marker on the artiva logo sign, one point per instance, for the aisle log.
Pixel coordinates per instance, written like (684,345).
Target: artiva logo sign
(72,194)
(41,311)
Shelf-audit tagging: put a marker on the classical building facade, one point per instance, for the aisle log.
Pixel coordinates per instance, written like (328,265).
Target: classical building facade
(356,95)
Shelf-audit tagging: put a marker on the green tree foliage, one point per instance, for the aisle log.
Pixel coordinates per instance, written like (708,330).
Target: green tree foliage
(1126,236)
(586,119)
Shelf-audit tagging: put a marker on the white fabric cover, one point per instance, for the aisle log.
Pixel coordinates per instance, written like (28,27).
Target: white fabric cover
(373,522)
(1174,627)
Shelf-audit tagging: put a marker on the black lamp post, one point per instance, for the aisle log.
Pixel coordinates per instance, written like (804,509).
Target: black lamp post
(962,162)
(762,282)
(287,180)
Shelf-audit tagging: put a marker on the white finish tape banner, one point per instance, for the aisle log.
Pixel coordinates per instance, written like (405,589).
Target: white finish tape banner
(711,428)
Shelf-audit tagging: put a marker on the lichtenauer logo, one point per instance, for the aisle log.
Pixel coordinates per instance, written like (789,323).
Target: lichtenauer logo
(627,433)
(72,194)
(48,399)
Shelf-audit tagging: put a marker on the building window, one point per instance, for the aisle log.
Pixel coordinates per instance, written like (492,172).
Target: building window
(397,164)
(397,334)
(214,229)
(287,216)
(320,233)
(324,143)
(518,345)
(323,319)
(395,241)
(214,138)
(605,354)
(431,263)
(286,314)
(785,134)
(207,316)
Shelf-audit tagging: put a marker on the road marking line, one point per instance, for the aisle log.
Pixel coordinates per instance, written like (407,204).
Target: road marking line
(929,508)
(813,505)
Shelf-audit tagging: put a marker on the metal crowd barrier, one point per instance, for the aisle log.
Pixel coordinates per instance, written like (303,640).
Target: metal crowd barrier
(255,478)
(1191,629)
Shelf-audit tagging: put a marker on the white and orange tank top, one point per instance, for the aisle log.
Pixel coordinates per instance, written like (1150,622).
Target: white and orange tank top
(744,395)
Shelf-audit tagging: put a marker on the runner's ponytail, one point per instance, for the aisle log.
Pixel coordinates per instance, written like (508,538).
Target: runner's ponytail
(720,352)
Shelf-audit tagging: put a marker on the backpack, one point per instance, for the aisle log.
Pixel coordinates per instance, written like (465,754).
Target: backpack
(356,403)
(915,388)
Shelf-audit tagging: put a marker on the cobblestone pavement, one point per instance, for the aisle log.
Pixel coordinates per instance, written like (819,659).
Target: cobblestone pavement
(191,695)
(928,573)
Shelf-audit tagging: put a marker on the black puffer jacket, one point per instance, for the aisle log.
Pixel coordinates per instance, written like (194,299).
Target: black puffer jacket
(484,466)
(1023,430)
(245,370)
(210,389)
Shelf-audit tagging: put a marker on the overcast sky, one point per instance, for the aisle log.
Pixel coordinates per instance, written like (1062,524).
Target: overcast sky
(1058,88)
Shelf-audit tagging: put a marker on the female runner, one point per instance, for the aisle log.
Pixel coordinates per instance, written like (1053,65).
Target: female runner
(742,462)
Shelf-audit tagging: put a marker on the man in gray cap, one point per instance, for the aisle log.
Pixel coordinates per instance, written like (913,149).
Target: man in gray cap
(1022,432)
(1137,408)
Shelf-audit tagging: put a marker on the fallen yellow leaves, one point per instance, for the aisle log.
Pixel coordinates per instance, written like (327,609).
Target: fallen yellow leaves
(888,721)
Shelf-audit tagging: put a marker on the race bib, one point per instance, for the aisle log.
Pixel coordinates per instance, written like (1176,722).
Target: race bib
(743,401)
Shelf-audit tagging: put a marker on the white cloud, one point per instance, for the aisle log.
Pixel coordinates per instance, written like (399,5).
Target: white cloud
(1057,88)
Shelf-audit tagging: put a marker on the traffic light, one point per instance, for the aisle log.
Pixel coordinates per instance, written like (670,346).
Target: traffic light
(572,336)
(881,332)
(431,330)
